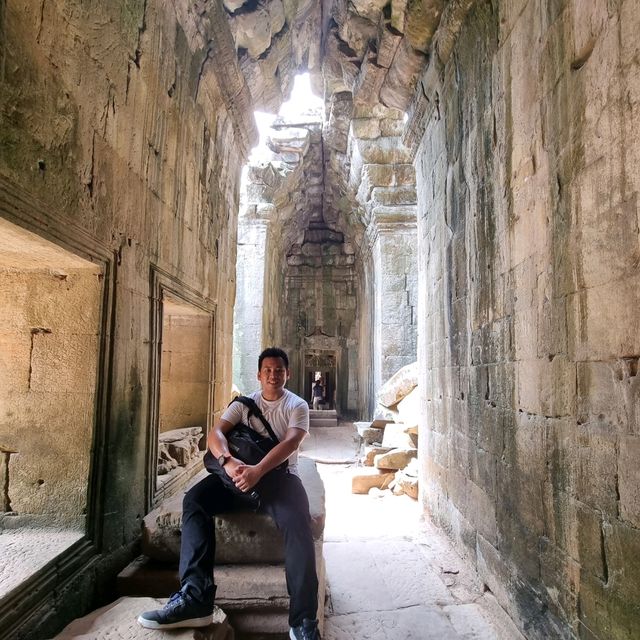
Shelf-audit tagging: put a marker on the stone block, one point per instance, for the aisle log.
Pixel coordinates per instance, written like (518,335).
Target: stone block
(369,435)
(609,392)
(370,452)
(629,479)
(395,458)
(398,386)
(396,436)
(561,576)
(118,621)
(367,478)
(241,537)
(365,128)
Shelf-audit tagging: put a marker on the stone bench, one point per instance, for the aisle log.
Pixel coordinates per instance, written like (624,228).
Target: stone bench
(249,572)
(241,538)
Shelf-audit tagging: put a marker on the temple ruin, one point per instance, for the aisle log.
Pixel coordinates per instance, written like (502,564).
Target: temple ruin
(462,192)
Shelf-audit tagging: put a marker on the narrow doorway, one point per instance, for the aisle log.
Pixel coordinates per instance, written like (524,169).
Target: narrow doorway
(320,366)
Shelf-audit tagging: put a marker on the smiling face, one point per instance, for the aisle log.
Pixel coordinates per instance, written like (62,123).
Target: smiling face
(273,375)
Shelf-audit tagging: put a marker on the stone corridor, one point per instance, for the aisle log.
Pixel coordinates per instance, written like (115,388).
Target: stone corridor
(455,192)
(390,574)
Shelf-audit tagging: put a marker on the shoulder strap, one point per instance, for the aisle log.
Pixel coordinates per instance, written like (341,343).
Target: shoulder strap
(254,409)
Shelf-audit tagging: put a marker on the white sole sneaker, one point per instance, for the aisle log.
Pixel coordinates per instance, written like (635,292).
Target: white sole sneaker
(193,622)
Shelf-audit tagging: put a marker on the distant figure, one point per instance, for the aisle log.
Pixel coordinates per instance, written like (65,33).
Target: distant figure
(317,394)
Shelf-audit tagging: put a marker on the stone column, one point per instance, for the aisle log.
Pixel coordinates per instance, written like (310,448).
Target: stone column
(247,319)
(395,285)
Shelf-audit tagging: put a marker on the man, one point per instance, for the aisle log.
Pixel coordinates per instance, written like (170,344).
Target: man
(283,497)
(317,394)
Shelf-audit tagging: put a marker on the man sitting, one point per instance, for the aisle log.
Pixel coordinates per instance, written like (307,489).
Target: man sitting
(281,496)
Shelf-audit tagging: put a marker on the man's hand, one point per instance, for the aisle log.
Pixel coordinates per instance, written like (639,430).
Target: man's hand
(231,467)
(246,476)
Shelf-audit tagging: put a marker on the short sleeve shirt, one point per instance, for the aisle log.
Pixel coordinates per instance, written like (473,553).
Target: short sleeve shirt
(287,412)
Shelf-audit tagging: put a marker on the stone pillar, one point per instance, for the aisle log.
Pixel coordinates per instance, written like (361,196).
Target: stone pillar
(395,286)
(247,319)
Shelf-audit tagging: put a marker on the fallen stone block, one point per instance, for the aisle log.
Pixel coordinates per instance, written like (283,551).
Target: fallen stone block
(395,458)
(381,423)
(370,452)
(399,385)
(409,409)
(118,621)
(407,484)
(396,437)
(366,478)
(369,434)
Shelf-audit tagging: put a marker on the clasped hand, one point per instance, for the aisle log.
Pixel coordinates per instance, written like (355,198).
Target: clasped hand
(245,476)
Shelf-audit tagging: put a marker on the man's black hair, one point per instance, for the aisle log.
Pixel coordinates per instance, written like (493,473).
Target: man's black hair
(273,352)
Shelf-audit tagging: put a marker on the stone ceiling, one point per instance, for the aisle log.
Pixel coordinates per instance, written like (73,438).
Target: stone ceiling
(364,57)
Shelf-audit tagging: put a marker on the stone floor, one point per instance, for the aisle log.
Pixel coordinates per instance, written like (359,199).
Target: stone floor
(26,550)
(390,575)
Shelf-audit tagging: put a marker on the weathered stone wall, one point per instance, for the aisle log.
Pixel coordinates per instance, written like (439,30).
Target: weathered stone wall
(122,132)
(529,345)
(185,368)
(49,322)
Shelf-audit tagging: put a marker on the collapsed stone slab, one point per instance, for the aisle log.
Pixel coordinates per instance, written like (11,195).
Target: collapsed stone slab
(369,434)
(368,477)
(394,458)
(370,452)
(399,385)
(398,436)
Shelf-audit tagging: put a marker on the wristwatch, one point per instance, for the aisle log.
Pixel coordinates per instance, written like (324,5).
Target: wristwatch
(223,458)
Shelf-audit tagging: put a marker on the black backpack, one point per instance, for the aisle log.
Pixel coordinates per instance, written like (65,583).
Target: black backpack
(248,445)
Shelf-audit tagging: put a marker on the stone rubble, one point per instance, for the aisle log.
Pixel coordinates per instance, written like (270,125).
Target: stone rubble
(178,448)
(391,445)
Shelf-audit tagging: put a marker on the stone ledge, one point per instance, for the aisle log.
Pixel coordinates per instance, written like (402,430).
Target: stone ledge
(258,587)
(241,538)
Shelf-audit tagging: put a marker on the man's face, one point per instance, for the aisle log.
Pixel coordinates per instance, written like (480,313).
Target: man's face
(273,374)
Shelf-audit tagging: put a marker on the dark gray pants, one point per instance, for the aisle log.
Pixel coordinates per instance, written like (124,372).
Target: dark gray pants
(283,498)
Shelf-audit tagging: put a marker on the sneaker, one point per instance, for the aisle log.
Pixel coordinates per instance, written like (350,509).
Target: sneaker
(308,630)
(180,611)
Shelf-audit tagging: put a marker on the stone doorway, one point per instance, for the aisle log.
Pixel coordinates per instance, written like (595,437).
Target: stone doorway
(321,364)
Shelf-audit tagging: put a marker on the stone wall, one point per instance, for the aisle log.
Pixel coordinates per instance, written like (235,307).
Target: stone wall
(49,332)
(527,144)
(185,367)
(122,135)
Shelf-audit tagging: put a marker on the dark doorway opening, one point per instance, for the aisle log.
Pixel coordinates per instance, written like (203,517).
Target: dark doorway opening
(320,365)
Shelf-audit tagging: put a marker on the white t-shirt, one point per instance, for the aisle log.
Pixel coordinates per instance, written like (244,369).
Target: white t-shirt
(287,412)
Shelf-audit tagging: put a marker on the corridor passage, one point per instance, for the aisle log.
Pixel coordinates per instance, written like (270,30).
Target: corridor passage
(390,575)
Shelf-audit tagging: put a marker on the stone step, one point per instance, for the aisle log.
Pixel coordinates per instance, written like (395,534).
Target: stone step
(118,621)
(254,587)
(323,413)
(253,596)
(323,418)
(241,538)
